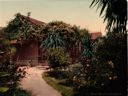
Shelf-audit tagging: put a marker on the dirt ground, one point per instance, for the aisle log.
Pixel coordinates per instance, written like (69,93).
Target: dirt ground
(34,83)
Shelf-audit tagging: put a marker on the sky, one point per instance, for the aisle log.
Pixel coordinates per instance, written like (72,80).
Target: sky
(74,12)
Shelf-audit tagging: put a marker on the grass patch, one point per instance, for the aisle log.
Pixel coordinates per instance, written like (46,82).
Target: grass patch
(3,74)
(18,92)
(21,92)
(3,89)
(55,83)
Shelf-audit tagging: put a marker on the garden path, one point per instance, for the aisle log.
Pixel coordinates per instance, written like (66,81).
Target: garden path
(34,83)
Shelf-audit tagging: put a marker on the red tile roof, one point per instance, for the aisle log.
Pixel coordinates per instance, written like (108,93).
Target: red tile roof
(95,35)
(34,21)
(37,22)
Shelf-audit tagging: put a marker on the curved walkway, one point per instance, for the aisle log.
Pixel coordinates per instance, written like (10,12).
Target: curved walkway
(35,84)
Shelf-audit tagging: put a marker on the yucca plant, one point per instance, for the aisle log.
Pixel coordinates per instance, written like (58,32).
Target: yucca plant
(53,41)
(67,33)
(87,46)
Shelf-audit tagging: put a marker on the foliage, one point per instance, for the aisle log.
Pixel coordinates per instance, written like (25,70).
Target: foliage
(115,13)
(57,27)
(71,72)
(104,65)
(53,41)
(9,73)
(3,89)
(60,30)
(21,92)
(87,46)
(113,48)
(105,72)
(21,28)
(86,60)
(96,75)
(10,77)
(5,50)
(55,83)
(57,58)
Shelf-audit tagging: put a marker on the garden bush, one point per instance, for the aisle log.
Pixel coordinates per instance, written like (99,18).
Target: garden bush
(10,73)
(58,58)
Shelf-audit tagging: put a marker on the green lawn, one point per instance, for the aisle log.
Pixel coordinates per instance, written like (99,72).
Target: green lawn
(55,83)
(18,92)
(21,92)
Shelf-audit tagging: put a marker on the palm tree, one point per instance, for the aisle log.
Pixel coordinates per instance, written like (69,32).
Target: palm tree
(115,13)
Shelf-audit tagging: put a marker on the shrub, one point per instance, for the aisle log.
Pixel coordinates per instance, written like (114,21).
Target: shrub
(9,72)
(58,58)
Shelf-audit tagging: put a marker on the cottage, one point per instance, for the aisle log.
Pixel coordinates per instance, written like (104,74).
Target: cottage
(28,48)
(28,45)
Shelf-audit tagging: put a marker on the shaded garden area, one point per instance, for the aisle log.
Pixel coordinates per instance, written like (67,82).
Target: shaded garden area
(79,65)
(103,61)
(10,73)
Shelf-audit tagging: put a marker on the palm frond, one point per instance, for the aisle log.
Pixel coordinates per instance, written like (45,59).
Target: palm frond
(115,13)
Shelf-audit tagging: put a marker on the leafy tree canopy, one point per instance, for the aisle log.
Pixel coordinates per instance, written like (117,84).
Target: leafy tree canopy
(67,33)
